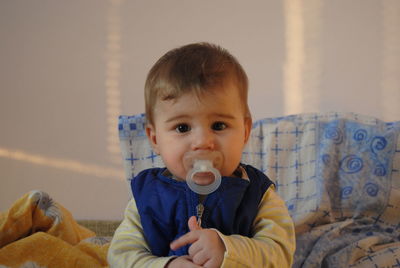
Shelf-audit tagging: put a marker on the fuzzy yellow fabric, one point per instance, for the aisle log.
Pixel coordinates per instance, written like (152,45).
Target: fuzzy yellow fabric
(38,232)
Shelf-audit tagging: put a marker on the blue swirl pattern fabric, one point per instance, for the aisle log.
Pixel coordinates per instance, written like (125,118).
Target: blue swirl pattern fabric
(339,174)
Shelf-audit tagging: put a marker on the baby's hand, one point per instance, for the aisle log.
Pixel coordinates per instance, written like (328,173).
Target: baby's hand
(182,262)
(207,248)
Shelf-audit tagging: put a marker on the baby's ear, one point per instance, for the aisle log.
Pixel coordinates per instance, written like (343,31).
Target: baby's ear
(248,124)
(151,135)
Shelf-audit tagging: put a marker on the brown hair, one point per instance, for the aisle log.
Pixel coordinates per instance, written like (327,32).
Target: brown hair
(194,68)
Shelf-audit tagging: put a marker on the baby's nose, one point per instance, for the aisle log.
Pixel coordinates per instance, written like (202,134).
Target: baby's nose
(203,140)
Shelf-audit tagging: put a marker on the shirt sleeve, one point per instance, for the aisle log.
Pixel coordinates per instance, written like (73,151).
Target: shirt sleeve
(128,247)
(273,243)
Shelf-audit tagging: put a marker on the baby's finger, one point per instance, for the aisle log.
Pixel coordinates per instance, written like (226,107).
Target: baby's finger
(184,240)
(194,249)
(193,224)
(200,258)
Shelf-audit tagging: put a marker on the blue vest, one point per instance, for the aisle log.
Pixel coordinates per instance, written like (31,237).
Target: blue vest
(165,205)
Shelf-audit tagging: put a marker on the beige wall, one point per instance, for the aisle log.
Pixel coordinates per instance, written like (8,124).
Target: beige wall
(69,68)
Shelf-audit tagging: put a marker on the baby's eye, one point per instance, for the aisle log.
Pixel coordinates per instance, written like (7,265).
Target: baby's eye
(218,126)
(182,128)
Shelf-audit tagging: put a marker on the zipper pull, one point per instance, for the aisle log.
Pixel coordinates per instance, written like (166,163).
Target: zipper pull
(199,211)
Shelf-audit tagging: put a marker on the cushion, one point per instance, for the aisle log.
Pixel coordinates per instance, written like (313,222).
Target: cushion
(337,172)
(350,154)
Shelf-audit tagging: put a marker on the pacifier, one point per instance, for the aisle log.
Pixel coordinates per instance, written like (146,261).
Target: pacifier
(203,176)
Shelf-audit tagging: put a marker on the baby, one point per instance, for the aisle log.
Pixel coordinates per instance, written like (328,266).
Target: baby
(197,112)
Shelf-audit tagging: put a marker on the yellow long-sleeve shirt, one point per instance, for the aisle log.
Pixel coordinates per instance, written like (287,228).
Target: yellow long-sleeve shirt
(272,245)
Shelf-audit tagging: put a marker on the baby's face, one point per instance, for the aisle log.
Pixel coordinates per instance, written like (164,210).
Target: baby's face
(213,122)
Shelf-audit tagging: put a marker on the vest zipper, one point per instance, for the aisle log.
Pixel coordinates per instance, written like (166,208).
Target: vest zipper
(199,213)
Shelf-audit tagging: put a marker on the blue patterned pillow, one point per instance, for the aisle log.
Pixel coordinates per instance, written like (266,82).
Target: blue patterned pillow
(330,166)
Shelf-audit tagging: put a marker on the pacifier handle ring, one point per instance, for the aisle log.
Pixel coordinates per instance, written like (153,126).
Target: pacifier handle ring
(203,189)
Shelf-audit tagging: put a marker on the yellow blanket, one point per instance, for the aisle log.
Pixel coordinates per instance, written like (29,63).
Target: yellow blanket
(38,232)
